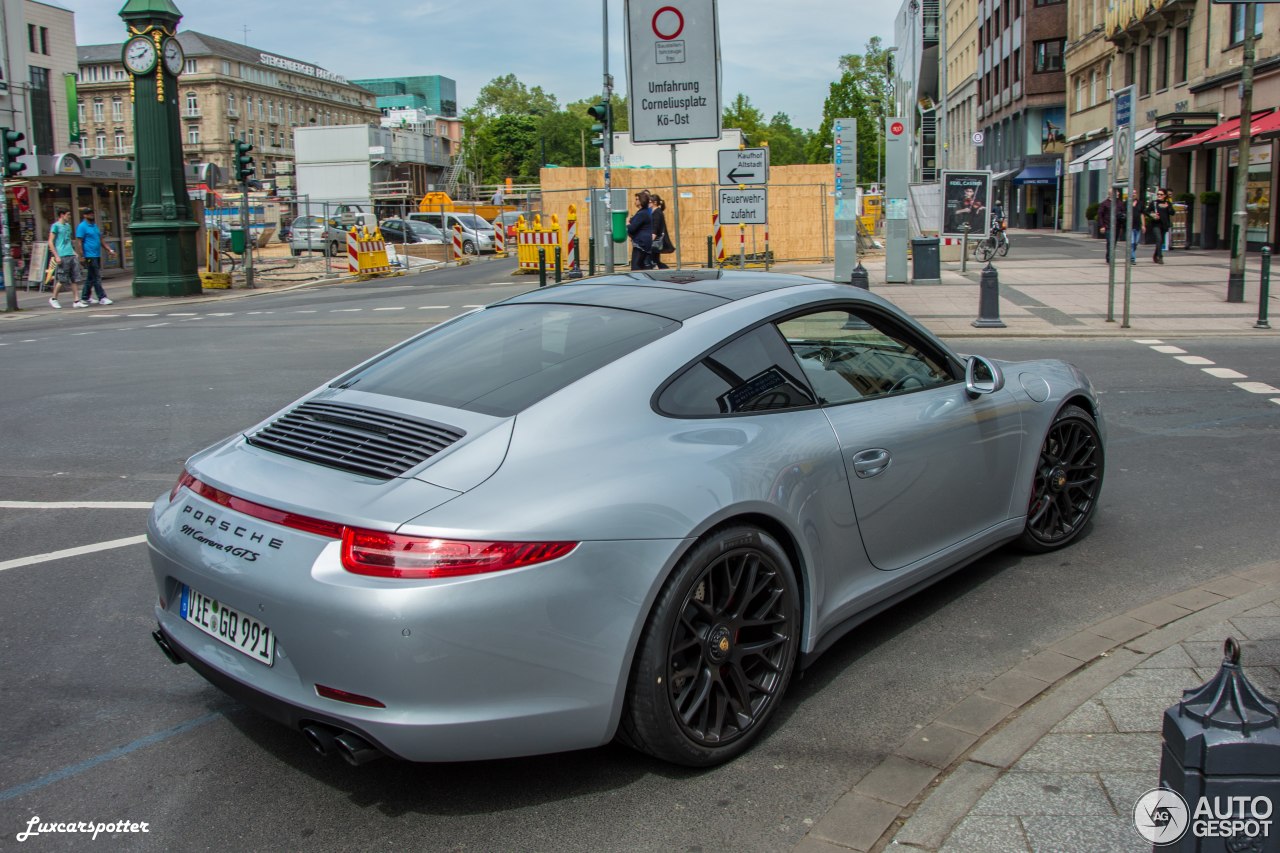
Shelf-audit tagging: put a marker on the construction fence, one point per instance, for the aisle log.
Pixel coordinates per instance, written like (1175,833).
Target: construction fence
(800,209)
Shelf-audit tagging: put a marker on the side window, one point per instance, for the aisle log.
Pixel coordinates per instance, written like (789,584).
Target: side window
(754,372)
(849,356)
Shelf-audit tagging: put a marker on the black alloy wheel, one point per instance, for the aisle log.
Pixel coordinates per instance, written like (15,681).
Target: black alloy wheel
(1068,479)
(718,651)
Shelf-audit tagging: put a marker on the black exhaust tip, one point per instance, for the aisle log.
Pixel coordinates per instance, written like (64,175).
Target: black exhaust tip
(322,738)
(168,650)
(355,750)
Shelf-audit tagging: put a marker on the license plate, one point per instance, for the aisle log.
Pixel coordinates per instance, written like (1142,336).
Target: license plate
(242,633)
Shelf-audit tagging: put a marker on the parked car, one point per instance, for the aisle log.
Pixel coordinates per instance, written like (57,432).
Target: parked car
(629,507)
(477,234)
(410,231)
(315,234)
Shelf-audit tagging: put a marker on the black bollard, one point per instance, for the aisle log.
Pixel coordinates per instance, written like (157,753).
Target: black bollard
(576,272)
(989,300)
(542,267)
(710,253)
(557,266)
(1264,295)
(591,256)
(859,277)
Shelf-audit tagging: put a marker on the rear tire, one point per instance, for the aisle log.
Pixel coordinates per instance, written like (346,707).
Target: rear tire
(1068,480)
(1004,247)
(717,652)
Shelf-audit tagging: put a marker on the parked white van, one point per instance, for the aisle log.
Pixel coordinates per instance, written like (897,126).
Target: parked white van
(477,234)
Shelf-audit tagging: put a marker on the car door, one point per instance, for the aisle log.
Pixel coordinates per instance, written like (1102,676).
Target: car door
(928,465)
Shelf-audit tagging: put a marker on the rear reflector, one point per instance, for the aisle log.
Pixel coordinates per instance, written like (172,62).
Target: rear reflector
(350,698)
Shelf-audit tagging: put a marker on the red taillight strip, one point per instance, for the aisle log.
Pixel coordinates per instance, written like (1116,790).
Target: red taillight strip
(306,524)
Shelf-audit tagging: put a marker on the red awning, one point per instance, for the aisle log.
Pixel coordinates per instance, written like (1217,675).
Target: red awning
(1206,136)
(1269,123)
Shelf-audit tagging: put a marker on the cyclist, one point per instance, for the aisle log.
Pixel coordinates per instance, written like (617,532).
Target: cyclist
(997,216)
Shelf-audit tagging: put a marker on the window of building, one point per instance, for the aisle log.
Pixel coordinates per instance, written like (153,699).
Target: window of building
(1129,76)
(43,41)
(1017,65)
(193,104)
(80,109)
(1079,92)
(231,104)
(1049,55)
(193,134)
(231,134)
(1144,75)
(102,143)
(1109,87)
(1162,63)
(290,113)
(1049,2)
(117,109)
(1017,9)
(1093,88)
(1181,46)
(190,67)
(1237,22)
(32,38)
(226,67)
(262,109)
(97,110)
(118,73)
(262,138)
(120,149)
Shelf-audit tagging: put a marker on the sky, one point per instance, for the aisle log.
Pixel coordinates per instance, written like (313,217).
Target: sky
(782,55)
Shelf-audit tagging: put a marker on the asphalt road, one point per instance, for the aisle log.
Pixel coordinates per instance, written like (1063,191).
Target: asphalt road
(99,727)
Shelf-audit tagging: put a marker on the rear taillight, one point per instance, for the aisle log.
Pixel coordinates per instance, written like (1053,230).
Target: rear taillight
(378,554)
(392,555)
(344,696)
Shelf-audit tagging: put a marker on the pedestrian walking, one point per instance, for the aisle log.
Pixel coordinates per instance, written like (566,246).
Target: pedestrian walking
(90,239)
(1104,220)
(662,244)
(1137,226)
(61,247)
(1160,217)
(640,229)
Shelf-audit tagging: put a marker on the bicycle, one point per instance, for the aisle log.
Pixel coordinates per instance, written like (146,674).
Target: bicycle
(995,243)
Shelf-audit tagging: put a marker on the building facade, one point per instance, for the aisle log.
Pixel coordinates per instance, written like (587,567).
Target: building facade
(916,83)
(228,92)
(433,94)
(1021,106)
(1090,71)
(961,84)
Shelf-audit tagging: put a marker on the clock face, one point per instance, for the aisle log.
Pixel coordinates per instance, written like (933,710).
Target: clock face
(173,57)
(139,55)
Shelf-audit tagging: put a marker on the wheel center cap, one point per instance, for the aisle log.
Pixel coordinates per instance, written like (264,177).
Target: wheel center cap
(1058,478)
(719,642)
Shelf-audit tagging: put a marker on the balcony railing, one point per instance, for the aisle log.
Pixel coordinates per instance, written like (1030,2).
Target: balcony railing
(232,112)
(191,112)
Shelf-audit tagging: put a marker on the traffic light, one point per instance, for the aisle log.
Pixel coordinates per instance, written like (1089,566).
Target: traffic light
(244,163)
(601,112)
(13,149)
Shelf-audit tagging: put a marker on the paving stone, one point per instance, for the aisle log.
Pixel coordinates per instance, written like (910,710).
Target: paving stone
(1120,628)
(1170,658)
(1097,752)
(1267,573)
(1165,684)
(1018,793)
(1230,585)
(1266,679)
(855,821)
(1144,714)
(1083,646)
(1159,613)
(937,745)
(1013,688)
(1215,633)
(1089,717)
(946,806)
(976,714)
(989,834)
(1271,608)
(1252,653)
(1049,666)
(813,844)
(1084,835)
(896,780)
(1125,787)
(1194,599)
(1258,627)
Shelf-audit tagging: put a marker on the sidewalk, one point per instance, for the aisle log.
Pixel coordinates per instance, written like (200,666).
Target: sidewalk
(1063,296)
(1053,754)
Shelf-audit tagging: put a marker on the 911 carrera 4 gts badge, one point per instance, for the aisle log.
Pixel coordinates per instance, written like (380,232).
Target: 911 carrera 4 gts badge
(240,551)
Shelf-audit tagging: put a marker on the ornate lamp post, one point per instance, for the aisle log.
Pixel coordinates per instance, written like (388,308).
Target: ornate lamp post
(163,226)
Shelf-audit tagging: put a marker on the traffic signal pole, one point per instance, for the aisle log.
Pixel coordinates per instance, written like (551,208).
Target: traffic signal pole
(248,236)
(11,142)
(1240,216)
(10,286)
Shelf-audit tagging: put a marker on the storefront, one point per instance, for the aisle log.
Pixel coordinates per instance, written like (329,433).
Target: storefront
(1257,193)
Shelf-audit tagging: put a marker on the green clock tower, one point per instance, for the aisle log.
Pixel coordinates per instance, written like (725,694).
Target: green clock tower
(163,227)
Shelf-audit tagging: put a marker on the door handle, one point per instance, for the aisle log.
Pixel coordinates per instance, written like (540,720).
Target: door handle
(869,463)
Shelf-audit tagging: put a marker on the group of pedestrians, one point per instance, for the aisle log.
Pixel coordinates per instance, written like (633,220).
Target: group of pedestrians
(74,249)
(648,231)
(1137,219)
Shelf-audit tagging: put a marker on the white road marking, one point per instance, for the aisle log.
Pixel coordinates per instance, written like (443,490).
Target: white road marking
(223,314)
(401,308)
(1224,373)
(71,552)
(78,334)
(30,341)
(1276,400)
(154,325)
(344,310)
(473,306)
(1257,387)
(1148,341)
(182,314)
(1193,359)
(75,504)
(255,312)
(305,311)
(1169,350)
(433,307)
(143,315)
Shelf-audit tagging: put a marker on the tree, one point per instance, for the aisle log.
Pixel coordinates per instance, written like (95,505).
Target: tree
(871,72)
(740,114)
(508,96)
(507,146)
(787,144)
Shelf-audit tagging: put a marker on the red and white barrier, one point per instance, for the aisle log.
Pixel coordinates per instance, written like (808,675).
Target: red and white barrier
(719,242)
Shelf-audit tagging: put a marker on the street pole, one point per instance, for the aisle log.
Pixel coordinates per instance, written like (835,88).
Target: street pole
(1235,281)
(675,201)
(248,234)
(10,286)
(1114,247)
(607,148)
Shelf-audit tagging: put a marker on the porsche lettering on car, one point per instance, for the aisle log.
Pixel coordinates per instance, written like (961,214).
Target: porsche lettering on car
(625,508)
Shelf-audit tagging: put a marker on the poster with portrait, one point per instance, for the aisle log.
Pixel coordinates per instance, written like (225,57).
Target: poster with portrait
(1053,126)
(966,199)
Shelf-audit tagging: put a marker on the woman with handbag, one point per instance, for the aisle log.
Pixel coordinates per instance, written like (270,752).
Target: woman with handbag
(662,244)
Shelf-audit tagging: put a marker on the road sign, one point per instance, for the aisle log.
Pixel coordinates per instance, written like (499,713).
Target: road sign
(844,155)
(673,70)
(1122,141)
(744,166)
(979,138)
(744,207)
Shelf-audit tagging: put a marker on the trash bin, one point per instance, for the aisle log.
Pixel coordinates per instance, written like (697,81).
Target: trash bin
(925,266)
(619,226)
(237,241)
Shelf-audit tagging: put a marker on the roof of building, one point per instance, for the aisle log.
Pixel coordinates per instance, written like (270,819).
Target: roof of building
(201,44)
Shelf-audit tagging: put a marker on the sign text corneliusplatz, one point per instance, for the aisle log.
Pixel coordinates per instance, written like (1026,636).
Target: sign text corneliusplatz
(673,70)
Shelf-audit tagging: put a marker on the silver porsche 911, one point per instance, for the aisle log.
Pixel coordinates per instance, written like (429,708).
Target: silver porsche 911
(623,508)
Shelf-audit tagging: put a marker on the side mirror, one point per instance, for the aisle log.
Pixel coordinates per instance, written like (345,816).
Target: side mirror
(981,376)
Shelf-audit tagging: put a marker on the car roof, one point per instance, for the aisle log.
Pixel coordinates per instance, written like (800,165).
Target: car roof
(674,294)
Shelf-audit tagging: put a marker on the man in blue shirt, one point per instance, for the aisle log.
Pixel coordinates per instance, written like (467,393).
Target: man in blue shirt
(60,248)
(90,239)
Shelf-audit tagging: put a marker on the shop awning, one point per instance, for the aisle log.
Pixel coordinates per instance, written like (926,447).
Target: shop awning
(1003,176)
(1142,140)
(1262,124)
(1039,174)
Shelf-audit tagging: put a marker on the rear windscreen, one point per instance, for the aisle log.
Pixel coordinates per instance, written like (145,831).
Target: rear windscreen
(501,360)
